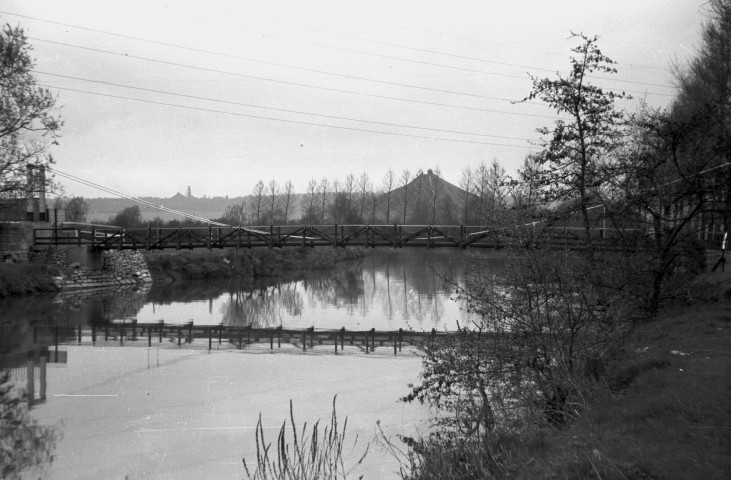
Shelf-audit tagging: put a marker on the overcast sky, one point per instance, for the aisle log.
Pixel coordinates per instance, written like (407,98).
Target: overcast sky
(232,92)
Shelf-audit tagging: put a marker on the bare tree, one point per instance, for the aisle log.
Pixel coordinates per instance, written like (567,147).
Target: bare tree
(349,189)
(405,180)
(364,188)
(496,178)
(272,193)
(482,189)
(324,186)
(287,199)
(388,184)
(436,186)
(309,202)
(257,198)
(467,183)
(419,193)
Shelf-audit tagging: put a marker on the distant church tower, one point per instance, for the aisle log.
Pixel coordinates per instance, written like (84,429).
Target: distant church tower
(188,194)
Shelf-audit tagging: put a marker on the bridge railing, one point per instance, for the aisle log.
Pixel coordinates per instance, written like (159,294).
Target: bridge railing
(277,236)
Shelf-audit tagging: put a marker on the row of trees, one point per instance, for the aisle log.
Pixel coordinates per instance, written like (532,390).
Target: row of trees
(484,196)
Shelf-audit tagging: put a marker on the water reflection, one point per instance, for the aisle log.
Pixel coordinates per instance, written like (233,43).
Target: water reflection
(386,290)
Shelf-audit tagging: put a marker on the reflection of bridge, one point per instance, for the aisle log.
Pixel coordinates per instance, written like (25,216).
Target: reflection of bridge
(273,236)
(231,337)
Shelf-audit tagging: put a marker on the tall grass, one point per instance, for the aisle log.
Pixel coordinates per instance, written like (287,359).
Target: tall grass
(316,454)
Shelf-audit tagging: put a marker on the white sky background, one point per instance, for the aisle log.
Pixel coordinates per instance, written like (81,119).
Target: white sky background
(146,149)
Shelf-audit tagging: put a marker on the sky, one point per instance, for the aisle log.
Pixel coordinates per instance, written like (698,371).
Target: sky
(158,96)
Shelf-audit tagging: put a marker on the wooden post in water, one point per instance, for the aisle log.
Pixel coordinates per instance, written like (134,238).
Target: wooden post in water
(149,336)
(180,334)
(134,329)
(279,337)
(373,339)
(162,325)
(190,332)
(93,333)
(312,337)
(55,342)
(106,332)
(400,337)
(304,340)
(220,331)
(121,333)
(210,338)
(79,334)
(271,339)
(342,338)
(239,339)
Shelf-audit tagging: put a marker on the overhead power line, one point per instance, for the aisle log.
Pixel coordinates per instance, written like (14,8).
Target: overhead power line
(230,102)
(298,122)
(352,77)
(435,52)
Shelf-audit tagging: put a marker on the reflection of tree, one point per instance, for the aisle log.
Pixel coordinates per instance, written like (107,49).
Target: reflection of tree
(262,307)
(23,443)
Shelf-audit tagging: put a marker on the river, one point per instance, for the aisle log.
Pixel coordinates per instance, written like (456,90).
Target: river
(164,412)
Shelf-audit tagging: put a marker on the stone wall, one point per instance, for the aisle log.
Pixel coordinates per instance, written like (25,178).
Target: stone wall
(124,267)
(15,241)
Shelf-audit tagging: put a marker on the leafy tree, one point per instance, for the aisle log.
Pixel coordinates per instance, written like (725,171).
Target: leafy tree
(28,123)
(235,214)
(23,443)
(130,217)
(576,149)
(76,210)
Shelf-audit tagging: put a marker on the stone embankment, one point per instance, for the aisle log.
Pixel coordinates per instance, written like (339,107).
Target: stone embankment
(120,268)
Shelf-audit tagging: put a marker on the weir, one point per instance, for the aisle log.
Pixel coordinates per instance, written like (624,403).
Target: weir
(220,337)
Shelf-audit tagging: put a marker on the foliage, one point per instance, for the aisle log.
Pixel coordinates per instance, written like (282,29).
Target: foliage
(23,443)
(130,217)
(305,455)
(26,278)
(76,210)
(27,122)
(572,157)
(540,345)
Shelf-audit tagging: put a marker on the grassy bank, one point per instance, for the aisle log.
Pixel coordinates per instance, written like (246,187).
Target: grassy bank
(190,265)
(26,278)
(662,411)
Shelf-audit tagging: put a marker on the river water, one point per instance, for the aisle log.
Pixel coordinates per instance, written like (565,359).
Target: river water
(166,412)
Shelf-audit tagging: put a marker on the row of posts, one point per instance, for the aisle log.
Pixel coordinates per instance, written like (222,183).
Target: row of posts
(369,341)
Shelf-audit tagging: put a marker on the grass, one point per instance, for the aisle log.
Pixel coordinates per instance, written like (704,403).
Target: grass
(664,411)
(26,278)
(316,454)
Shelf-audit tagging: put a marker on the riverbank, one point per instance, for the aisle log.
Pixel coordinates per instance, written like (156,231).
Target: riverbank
(51,270)
(663,412)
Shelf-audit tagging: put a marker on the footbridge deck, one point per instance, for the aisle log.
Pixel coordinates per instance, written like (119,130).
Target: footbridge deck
(274,236)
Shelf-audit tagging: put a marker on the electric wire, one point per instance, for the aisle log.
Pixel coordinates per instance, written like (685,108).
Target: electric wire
(354,51)
(299,122)
(311,70)
(134,199)
(230,102)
